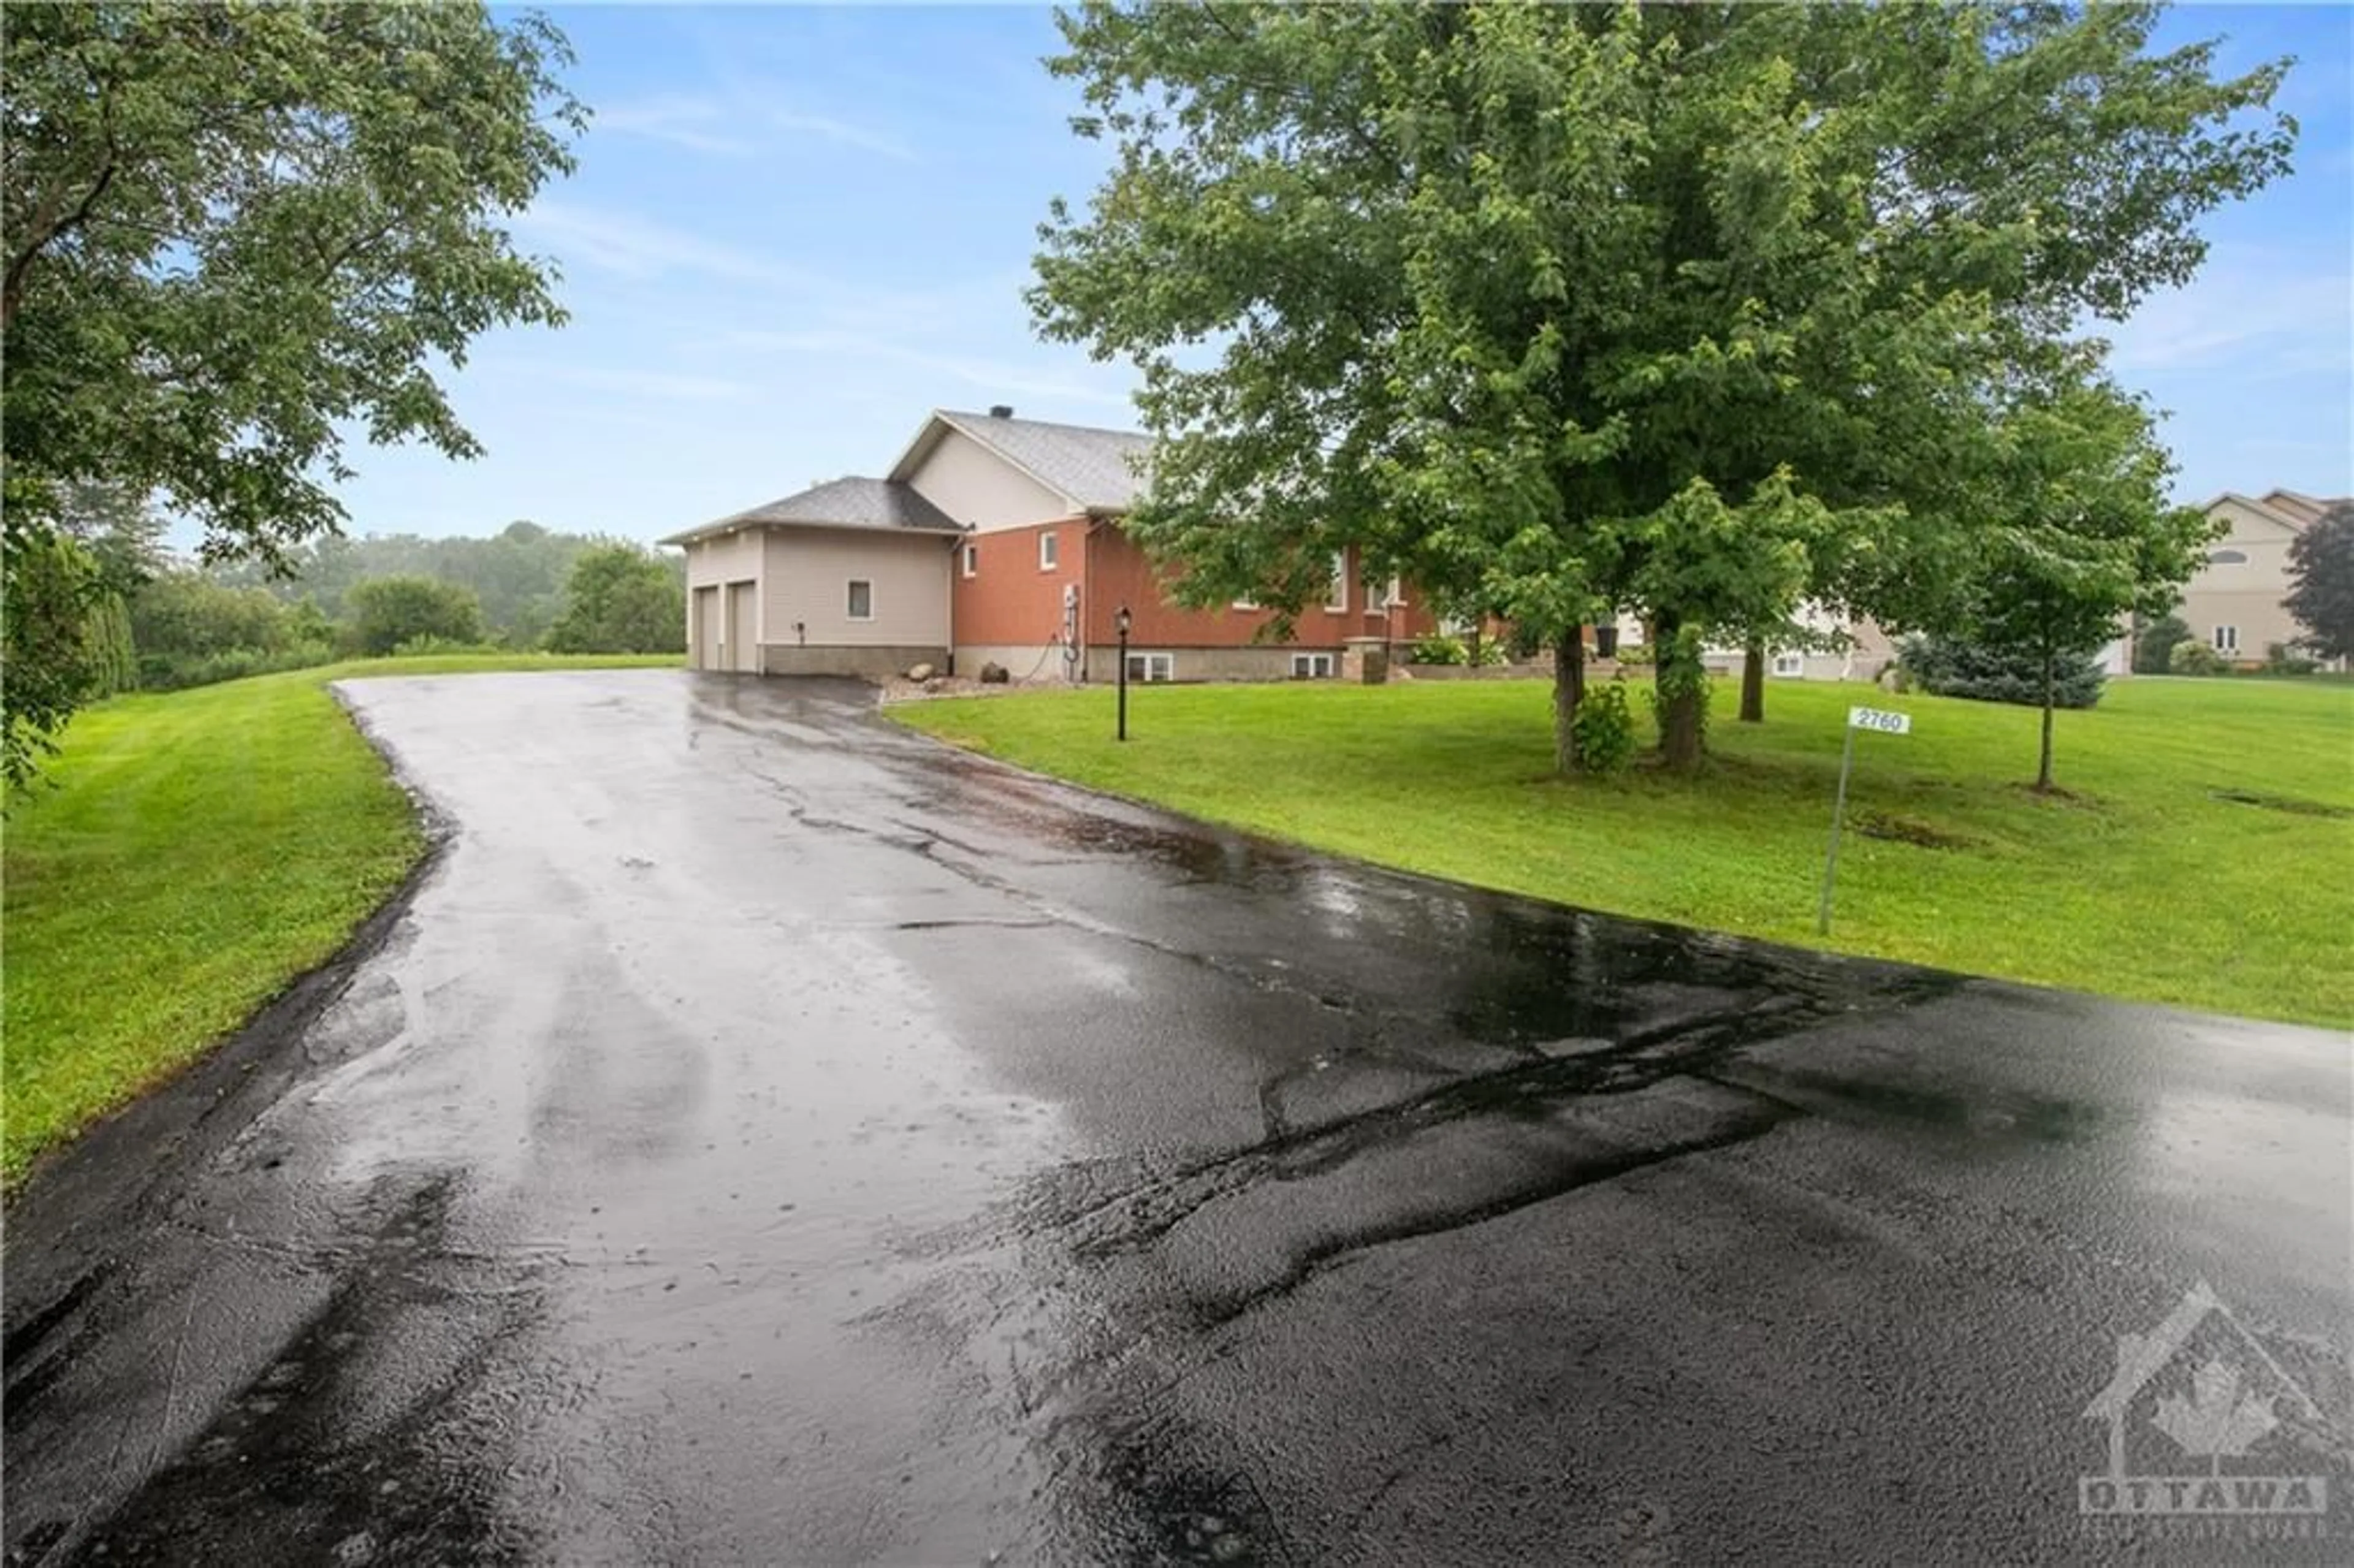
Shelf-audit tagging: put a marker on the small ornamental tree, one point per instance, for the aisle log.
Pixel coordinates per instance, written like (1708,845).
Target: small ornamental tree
(2321,579)
(2079,534)
(2154,648)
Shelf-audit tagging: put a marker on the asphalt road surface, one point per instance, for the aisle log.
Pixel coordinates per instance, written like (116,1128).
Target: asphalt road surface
(768,1137)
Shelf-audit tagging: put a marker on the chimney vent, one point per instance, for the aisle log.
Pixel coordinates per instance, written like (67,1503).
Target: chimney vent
(1001,411)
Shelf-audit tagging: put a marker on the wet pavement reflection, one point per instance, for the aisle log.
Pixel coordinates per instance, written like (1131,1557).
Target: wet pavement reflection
(767,1135)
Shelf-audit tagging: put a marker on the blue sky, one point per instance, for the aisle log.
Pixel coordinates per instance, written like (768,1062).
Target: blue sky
(794,230)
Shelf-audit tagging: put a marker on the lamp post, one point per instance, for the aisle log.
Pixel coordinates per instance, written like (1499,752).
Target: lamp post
(1119,624)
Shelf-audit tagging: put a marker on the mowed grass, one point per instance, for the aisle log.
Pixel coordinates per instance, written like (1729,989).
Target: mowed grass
(2139,882)
(199,851)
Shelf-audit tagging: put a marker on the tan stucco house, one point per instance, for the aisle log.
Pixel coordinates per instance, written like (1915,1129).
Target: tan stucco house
(2234,603)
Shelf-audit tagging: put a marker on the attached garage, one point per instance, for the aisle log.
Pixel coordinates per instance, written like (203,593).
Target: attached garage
(849,579)
(702,631)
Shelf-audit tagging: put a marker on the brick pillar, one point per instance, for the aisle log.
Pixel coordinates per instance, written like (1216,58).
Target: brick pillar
(1365,660)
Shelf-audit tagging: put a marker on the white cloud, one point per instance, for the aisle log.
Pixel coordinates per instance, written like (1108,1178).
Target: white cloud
(1000,376)
(665,385)
(729,122)
(634,247)
(839,131)
(2245,320)
(699,124)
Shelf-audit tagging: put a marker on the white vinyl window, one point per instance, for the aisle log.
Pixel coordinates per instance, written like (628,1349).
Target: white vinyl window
(1151,667)
(1049,551)
(973,560)
(1789,664)
(1396,595)
(2227,640)
(1311,666)
(862,599)
(1336,596)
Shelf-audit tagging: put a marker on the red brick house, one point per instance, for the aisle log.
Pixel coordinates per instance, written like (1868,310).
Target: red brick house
(991,539)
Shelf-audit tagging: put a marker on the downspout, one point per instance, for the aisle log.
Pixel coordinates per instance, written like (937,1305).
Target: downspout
(955,575)
(1087,592)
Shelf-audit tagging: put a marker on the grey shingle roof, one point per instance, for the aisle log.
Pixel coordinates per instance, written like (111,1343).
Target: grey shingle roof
(1090,465)
(882,504)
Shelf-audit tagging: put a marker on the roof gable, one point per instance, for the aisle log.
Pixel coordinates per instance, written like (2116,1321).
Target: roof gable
(881,504)
(2291,510)
(1092,469)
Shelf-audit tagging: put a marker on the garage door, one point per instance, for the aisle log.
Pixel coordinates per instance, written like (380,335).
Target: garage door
(707,629)
(742,654)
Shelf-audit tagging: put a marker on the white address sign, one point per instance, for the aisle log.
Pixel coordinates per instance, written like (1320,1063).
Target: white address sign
(1876,718)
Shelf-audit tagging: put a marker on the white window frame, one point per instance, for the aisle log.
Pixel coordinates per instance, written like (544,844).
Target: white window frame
(1395,598)
(1152,668)
(2226,638)
(1245,604)
(850,599)
(1789,663)
(1311,666)
(1050,550)
(971,560)
(1336,594)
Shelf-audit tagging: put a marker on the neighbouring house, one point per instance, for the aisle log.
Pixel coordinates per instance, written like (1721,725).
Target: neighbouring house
(1865,651)
(2233,602)
(992,539)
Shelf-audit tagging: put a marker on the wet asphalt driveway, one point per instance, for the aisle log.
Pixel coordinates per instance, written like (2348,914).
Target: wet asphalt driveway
(769,1137)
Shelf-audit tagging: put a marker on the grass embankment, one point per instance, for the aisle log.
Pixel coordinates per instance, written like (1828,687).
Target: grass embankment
(2138,883)
(199,850)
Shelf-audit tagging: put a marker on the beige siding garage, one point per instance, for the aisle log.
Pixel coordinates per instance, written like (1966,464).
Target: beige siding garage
(849,577)
(703,625)
(807,598)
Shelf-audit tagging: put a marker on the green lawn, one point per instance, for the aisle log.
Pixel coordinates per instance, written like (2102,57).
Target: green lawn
(2139,883)
(201,849)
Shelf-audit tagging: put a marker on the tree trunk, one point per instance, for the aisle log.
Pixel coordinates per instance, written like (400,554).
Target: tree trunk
(1679,679)
(1568,691)
(1753,683)
(2043,768)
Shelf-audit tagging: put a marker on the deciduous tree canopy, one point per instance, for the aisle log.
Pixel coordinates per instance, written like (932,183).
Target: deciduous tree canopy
(622,599)
(232,235)
(2321,575)
(1696,311)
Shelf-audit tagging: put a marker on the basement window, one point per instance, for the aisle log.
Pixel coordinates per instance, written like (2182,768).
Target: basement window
(862,599)
(1789,664)
(1311,666)
(1151,667)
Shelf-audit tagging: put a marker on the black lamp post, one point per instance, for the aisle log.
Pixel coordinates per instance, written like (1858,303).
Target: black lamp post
(1119,624)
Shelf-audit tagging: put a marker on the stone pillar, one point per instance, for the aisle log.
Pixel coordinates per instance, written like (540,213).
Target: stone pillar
(1365,660)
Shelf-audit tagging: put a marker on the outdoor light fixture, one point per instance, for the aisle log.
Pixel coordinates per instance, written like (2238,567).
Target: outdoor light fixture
(1119,623)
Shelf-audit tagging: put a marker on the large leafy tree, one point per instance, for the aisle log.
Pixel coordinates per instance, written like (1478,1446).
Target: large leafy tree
(622,599)
(234,235)
(2321,578)
(1691,310)
(383,614)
